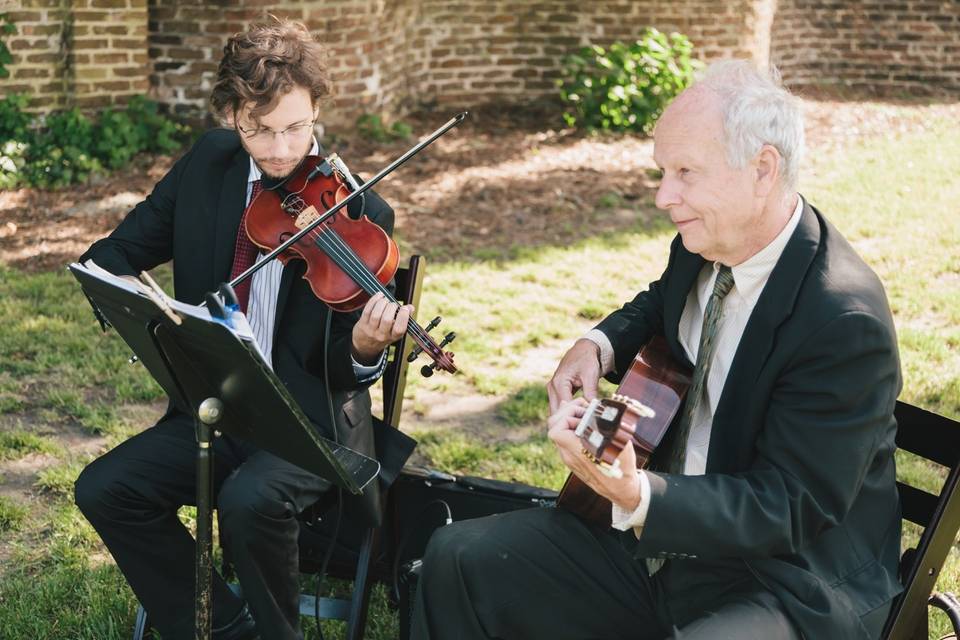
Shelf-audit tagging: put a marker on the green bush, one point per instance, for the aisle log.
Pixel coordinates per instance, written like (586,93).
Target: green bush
(158,133)
(13,120)
(371,127)
(60,154)
(626,87)
(13,134)
(118,139)
(6,28)
(67,147)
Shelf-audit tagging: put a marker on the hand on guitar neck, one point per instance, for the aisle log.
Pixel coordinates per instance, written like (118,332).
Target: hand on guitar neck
(578,370)
(621,488)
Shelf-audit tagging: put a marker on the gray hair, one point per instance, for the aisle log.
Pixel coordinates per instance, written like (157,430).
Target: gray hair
(757,110)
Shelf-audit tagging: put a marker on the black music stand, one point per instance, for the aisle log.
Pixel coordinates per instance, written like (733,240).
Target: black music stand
(218,376)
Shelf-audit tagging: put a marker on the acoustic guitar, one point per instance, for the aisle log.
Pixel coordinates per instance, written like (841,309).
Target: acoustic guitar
(640,412)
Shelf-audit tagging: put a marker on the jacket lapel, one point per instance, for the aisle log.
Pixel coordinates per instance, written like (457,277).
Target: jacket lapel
(731,438)
(230,206)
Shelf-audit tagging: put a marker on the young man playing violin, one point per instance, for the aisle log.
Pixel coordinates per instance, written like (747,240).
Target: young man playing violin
(771,512)
(269,86)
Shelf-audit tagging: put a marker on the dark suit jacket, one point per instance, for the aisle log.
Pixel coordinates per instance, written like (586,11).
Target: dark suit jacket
(192,217)
(800,479)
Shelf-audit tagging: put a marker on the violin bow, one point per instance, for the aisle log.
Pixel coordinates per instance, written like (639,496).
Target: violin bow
(417,148)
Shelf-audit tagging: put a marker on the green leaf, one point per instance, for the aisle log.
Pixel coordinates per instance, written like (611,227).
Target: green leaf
(625,86)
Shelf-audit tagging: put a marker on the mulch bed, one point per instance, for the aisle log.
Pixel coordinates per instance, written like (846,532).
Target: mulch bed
(507,177)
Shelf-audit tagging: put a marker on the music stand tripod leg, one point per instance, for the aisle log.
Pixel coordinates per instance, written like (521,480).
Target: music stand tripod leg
(208,414)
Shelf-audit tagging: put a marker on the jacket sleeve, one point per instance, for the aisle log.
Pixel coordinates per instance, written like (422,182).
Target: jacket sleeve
(144,238)
(829,413)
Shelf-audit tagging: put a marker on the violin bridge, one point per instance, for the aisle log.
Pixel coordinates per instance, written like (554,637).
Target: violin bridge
(305,217)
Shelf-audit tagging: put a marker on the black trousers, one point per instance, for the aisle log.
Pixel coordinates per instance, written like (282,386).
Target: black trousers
(542,573)
(131,495)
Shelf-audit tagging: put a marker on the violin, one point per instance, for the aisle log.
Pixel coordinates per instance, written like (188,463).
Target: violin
(638,414)
(347,260)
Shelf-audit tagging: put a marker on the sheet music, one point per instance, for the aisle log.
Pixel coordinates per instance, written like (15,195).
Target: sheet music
(237,322)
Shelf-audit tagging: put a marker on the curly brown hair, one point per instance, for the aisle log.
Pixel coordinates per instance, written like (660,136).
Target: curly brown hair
(264,64)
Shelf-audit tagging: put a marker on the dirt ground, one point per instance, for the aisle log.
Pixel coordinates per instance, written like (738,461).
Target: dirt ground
(506,176)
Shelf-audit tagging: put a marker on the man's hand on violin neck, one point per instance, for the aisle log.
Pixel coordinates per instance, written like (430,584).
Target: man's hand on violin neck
(579,369)
(381,324)
(623,491)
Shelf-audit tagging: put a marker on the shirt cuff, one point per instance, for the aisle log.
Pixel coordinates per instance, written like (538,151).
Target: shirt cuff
(600,339)
(369,372)
(623,519)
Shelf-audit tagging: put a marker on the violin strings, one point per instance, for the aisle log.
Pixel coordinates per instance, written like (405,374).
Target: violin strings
(347,260)
(358,271)
(354,267)
(344,256)
(350,262)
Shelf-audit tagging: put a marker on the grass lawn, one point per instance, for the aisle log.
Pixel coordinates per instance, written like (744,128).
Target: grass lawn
(67,394)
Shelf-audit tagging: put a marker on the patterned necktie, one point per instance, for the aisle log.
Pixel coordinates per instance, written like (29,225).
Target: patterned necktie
(245,254)
(708,335)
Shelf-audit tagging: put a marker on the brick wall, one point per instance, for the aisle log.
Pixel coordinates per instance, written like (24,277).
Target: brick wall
(390,55)
(39,52)
(86,53)
(887,47)
(480,50)
(370,54)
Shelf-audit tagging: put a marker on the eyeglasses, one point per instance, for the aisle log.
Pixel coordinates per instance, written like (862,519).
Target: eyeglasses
(264,136)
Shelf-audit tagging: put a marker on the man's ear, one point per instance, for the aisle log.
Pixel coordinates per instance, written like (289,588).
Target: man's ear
(768,164)
(229,117)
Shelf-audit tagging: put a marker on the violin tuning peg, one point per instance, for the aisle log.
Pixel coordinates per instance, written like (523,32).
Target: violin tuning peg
(433,323)
(415,353)
(447,339)
(427,370)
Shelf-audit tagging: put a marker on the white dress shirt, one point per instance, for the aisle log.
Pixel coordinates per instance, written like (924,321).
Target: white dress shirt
(265,288)
(749,277)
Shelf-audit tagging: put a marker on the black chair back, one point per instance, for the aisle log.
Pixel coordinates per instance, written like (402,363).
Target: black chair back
(937,439)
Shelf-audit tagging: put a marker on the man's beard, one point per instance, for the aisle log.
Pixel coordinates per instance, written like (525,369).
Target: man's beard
(274,172)
(277,175)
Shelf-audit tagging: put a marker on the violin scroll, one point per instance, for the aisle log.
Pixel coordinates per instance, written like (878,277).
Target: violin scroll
(441,359)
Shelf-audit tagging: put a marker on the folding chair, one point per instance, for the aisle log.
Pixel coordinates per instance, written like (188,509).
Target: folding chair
(935,438)
(408,285)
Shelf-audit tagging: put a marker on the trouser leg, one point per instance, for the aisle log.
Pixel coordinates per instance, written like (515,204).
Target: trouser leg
(131,495)
(719,599)
(750,616)
(536,573)
(257,509)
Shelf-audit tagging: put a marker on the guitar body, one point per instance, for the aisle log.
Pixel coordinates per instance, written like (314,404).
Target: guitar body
(649,397)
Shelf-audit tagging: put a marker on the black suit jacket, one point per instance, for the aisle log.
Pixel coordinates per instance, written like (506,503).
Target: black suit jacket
(192,217)
(800,481)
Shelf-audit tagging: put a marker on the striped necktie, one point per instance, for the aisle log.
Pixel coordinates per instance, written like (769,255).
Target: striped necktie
(708,335)
(245,253)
